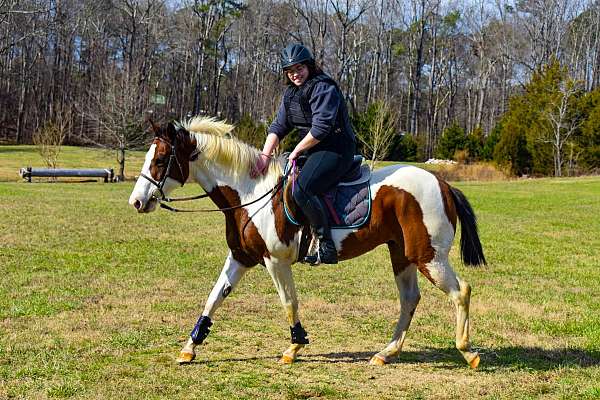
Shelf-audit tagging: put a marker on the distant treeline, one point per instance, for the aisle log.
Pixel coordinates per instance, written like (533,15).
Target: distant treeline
(510,81)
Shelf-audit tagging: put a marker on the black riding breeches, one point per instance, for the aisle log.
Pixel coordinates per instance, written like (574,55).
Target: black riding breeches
(322,171)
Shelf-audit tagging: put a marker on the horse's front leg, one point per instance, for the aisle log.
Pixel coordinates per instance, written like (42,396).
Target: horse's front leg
(230,276)
(281,273)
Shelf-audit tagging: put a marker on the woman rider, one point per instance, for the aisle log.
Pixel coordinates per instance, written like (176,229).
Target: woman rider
(314,105)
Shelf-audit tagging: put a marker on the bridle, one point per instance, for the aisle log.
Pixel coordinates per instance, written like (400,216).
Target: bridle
(164,199)
(161,184)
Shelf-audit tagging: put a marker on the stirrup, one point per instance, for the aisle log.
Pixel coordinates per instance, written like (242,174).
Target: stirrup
(312,259)
(316,259)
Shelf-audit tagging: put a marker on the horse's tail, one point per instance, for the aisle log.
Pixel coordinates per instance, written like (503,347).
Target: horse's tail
(470,246)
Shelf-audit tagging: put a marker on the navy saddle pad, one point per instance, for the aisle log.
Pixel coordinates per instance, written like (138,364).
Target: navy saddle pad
(348,204)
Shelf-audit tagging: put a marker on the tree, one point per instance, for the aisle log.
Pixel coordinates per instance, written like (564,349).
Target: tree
(404,148)
(114,111)
(250,132)
(49,139)
(523,140)
(375,129)
(562,124)
(474,144)
(487,152)
(584,151)
(452,139)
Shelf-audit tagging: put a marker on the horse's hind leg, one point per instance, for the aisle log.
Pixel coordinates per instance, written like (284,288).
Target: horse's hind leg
(440,273)
(406,280)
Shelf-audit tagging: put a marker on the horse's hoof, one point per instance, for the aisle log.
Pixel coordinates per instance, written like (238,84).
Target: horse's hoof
(286,359)
(185,357)
(377,360)
(474,363)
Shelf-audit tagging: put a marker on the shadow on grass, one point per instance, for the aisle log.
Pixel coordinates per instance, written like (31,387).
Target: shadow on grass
(535,358)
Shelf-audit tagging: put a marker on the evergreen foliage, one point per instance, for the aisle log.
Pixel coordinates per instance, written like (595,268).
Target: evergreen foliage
(487,152)
(524,127)
(452,139)
(404,148)
(586,150)
(251,132)
(474,144)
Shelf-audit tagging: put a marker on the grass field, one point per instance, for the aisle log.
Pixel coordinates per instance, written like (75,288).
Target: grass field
(96,301)
(13,158)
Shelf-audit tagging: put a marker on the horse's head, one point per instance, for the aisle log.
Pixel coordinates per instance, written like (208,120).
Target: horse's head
(165,168)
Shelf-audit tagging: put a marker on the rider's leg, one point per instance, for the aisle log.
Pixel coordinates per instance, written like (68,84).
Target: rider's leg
(322,170)
(317,217)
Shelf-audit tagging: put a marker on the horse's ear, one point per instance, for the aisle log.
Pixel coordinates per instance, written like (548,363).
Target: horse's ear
(155,128)
(172,132)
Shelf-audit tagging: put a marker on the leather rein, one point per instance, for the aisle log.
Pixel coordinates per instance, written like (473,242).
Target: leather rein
(164,199)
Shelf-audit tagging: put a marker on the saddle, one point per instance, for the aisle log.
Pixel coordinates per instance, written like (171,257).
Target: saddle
(348,204)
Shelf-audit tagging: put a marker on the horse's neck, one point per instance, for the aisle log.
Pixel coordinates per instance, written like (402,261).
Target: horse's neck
(226,190)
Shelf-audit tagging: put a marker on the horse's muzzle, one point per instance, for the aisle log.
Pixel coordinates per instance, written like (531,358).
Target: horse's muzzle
(144,208)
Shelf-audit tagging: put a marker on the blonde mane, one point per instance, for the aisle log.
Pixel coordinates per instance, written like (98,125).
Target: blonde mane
(207,125)
(217,144)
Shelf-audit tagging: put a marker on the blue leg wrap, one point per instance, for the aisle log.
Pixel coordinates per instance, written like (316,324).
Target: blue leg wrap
(201,329)
(298,334)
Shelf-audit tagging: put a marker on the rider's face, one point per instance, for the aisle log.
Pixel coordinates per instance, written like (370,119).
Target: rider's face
(298,73)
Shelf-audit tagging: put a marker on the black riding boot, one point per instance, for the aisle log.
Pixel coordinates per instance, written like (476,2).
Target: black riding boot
(315,212)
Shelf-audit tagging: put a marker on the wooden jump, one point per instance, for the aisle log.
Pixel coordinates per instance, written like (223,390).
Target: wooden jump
(107,173)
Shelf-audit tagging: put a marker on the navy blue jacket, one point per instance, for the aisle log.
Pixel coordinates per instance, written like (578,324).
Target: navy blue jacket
(327,125)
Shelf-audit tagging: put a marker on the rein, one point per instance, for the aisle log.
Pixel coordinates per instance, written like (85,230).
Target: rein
(273,190)
(164,199)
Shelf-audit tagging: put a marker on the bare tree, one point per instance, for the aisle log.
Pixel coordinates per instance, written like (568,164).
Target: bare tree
(562,125)
(114,112)
(378,139)
(49,138)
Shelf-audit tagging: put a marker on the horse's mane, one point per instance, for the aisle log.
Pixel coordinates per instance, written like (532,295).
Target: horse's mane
(216,142)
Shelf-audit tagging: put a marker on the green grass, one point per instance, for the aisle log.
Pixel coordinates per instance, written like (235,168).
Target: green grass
(96,301)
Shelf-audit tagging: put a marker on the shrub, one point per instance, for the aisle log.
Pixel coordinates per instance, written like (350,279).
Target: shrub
(49,140)
(471,172)
(404,148)
(453,138)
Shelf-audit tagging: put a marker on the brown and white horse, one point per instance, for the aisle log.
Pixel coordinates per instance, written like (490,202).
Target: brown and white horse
(413,212)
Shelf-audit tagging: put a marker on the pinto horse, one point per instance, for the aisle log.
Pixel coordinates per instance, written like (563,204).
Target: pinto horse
(413,212)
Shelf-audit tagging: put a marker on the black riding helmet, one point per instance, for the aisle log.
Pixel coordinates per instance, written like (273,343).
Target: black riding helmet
(295,54)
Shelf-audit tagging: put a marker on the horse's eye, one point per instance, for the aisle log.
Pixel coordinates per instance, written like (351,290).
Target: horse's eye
(160,162)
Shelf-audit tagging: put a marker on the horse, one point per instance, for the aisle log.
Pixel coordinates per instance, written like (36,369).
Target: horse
(413,212)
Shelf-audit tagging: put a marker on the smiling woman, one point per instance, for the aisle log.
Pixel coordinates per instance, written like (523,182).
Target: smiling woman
(413,212)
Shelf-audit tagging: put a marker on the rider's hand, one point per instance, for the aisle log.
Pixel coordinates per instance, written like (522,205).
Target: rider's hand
(262,162)
(294,155)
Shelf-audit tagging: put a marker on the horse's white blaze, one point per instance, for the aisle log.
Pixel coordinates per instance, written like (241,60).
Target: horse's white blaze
(143,188)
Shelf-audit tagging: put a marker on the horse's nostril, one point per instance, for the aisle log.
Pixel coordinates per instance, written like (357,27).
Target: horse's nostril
(137,204)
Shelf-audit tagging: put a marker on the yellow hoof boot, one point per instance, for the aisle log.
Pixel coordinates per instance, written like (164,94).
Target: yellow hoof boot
(377,360)
(286,359)
(185,357)
(474,363)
